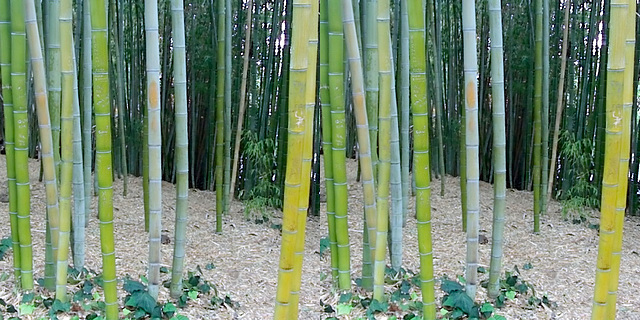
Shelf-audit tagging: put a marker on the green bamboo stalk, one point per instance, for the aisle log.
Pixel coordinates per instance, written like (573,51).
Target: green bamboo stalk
(104,178)
(182,145)
(154,139)
(7,94)
(326,135)
(119,48)
(227,104)
(544,178)
(537,118)
(66,143)
(370,53)
(21,139)
(294,180)
(339,141)
(220,106)
(243,97)
(422,171)
(384,146)
(471,141)
(438,95)
(52,42)
(560,100)
(87,107)
(499,146)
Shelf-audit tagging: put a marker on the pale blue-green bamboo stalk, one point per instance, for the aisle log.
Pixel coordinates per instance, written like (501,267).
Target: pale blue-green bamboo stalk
(499,146)
(397,210)
(155,143)
(182,145)
(472,141)
(79,213)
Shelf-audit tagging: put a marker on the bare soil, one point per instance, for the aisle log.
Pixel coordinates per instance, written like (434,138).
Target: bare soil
(246,254)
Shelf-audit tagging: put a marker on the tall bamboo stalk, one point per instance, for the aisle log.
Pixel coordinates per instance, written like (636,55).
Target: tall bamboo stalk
(327,143)
(384,146)
(7,103)
(52,41)
(79,213)
(615,90)
(219,107)
(182,145)
(499,146)
(560,100)
(537,118)
(403,70)
(422,170)
(472,142)
(362,125)
(104,164)
(438,95)
(227,104)
(243,96)
(629,94)
(66,143)
(395,179)
(370,55)
(307,157)
(21,138)
(544,178)
(154,139)
(298,69)
(87,105)
(339,141)
(119,47)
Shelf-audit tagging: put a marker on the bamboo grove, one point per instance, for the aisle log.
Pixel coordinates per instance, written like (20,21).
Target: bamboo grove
(246,98)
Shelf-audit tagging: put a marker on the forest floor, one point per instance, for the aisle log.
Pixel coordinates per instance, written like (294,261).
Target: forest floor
(245,255)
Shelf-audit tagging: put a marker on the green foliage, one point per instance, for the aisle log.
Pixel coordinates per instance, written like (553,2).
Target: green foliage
(265,193)
(583,193)
(5,246)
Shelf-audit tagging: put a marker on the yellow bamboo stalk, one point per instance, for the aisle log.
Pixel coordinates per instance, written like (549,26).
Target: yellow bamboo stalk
(621,198)
(42,107)
(613,141)
(301,25)
(307,157)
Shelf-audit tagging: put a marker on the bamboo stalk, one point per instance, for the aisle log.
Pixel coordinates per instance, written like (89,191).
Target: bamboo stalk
(613,145)
(243,97)
(182,145)
(296,134)
(154,139)
(471,141)
(7,95)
